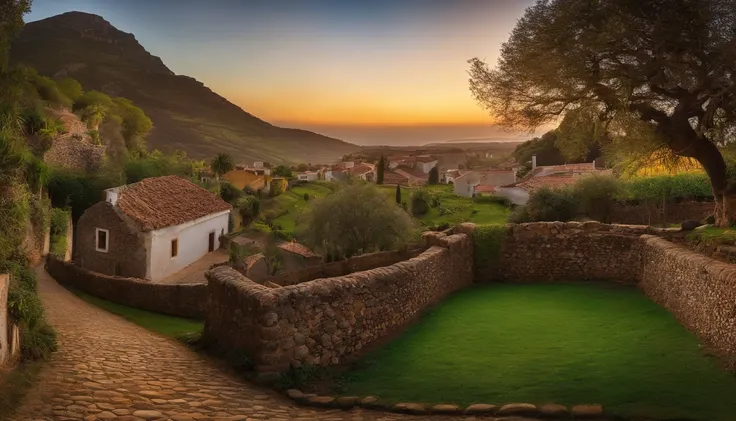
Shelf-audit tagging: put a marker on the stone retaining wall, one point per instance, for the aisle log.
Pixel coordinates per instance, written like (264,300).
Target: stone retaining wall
(184,300)
(343,267)
(332,320)
(9,332)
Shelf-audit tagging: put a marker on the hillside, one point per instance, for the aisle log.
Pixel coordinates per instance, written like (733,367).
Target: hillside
(186,114)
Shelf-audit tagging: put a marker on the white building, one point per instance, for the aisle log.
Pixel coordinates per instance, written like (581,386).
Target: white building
(425,163)
(151,229)
(465,185)
(308,176)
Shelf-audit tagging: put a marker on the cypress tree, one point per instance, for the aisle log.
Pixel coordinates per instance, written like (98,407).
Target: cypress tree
(398,194)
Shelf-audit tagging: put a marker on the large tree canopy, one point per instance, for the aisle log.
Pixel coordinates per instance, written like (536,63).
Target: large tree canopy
(664,66)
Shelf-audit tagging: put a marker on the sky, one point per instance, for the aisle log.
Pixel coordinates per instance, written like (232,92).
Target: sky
(368,72)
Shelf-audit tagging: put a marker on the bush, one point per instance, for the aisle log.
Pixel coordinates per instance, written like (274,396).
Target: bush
(595,196)
(306,197)
(229,193)
(58,247)
(420,202)
(549,205)
(249,208)
(668,188)
(497,200)
(59,221)
(372,220)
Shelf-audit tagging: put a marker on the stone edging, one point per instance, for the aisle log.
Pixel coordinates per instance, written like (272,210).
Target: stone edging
(551,410)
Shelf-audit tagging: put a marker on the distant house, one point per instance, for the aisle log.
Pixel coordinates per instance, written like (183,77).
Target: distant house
(339,171)
(255,268)
(449,176)
(242,179)
(151,229)
(550,176)
(425,163)
(415,176)
(308,176)
(392,177)
(258,168)
(296,256)
(467,183)
(365,172)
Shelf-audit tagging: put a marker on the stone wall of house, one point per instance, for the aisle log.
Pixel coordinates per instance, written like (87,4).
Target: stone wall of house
(184,300)
(74,153)
(332,320)
(126,254)
(343,267)
(672,213)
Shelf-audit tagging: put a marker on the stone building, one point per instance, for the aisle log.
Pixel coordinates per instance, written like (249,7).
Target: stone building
(150,229)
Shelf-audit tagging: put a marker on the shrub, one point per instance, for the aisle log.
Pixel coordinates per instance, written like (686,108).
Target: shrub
(488,243)
(498,200)
(356,219)
(249,208)
(595,196)
(59,221)
(668,188)
(306,197)
(550,205)
(229,193)
(420,202)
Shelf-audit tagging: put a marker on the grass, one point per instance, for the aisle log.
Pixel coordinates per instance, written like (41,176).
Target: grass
(564,343)
(171,326)
(15,384)
(457,209)
(710,234)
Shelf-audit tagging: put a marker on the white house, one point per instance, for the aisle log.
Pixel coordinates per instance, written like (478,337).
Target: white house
(465,185)
(308,176)
(151,229)
(425,163)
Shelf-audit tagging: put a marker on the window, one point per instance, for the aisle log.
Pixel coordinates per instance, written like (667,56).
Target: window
(101,239)
(174,247)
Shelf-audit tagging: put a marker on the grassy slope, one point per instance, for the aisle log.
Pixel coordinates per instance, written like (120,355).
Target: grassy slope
(175,327)
(565,343)
(15,385)
(461,208)
(291,204)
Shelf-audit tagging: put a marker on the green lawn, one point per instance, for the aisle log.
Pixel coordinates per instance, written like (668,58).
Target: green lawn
(291,204)
(564,343)
(175,327)
(455,209)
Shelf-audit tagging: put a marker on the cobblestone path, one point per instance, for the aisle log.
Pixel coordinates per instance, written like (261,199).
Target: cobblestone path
(110,369)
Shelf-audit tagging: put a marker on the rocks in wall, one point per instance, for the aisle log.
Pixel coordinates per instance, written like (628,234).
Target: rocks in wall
(75,153)
(331,320)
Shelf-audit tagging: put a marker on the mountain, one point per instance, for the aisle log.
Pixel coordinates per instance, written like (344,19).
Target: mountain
(186,114)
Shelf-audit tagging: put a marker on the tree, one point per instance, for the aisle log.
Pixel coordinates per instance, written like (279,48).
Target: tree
(356,219)
(662,67)
(434,176)
(229,193)
(272,254)
(71,88)
(302,167)
(380,170)
(94,114)
(282,171)
(420,202)
(398,194)
(222,164)
(11,22)
(249,208)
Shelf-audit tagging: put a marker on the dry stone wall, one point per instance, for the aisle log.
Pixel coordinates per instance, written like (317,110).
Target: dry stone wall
(332,320)
(184,300)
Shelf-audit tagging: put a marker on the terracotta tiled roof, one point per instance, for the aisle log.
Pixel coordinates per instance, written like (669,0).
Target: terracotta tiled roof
(551,181)
(160,202)
(485,189)
(297,248)
(361,169)
(391,177)
(251,260)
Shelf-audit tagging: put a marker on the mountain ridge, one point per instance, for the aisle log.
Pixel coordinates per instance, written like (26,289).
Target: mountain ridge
(186,114)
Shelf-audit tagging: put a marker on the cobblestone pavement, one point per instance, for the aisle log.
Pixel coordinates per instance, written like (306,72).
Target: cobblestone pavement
(110,369)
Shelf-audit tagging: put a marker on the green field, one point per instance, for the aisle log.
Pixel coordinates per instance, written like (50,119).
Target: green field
(174,327)
(454,209)
(564,343)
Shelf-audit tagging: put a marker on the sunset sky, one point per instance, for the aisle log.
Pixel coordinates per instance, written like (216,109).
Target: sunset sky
(366,71)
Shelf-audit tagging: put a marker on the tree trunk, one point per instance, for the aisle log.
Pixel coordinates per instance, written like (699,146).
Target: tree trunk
(684,141)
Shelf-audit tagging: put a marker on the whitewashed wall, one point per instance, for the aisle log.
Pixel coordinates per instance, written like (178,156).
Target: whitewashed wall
(193,244)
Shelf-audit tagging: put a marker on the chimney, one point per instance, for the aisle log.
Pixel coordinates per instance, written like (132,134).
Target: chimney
(534,162)
(111,195)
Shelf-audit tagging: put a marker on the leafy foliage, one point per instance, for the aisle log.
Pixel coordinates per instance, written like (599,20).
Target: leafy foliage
(356,219)
(488,241)
(547,205)
(282,171)
(277,187)
(230,193)
(595,196)
(420,200)
(663,189)
(434,176)
(380,170)
(70,88)
(222,164)
(249,208)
